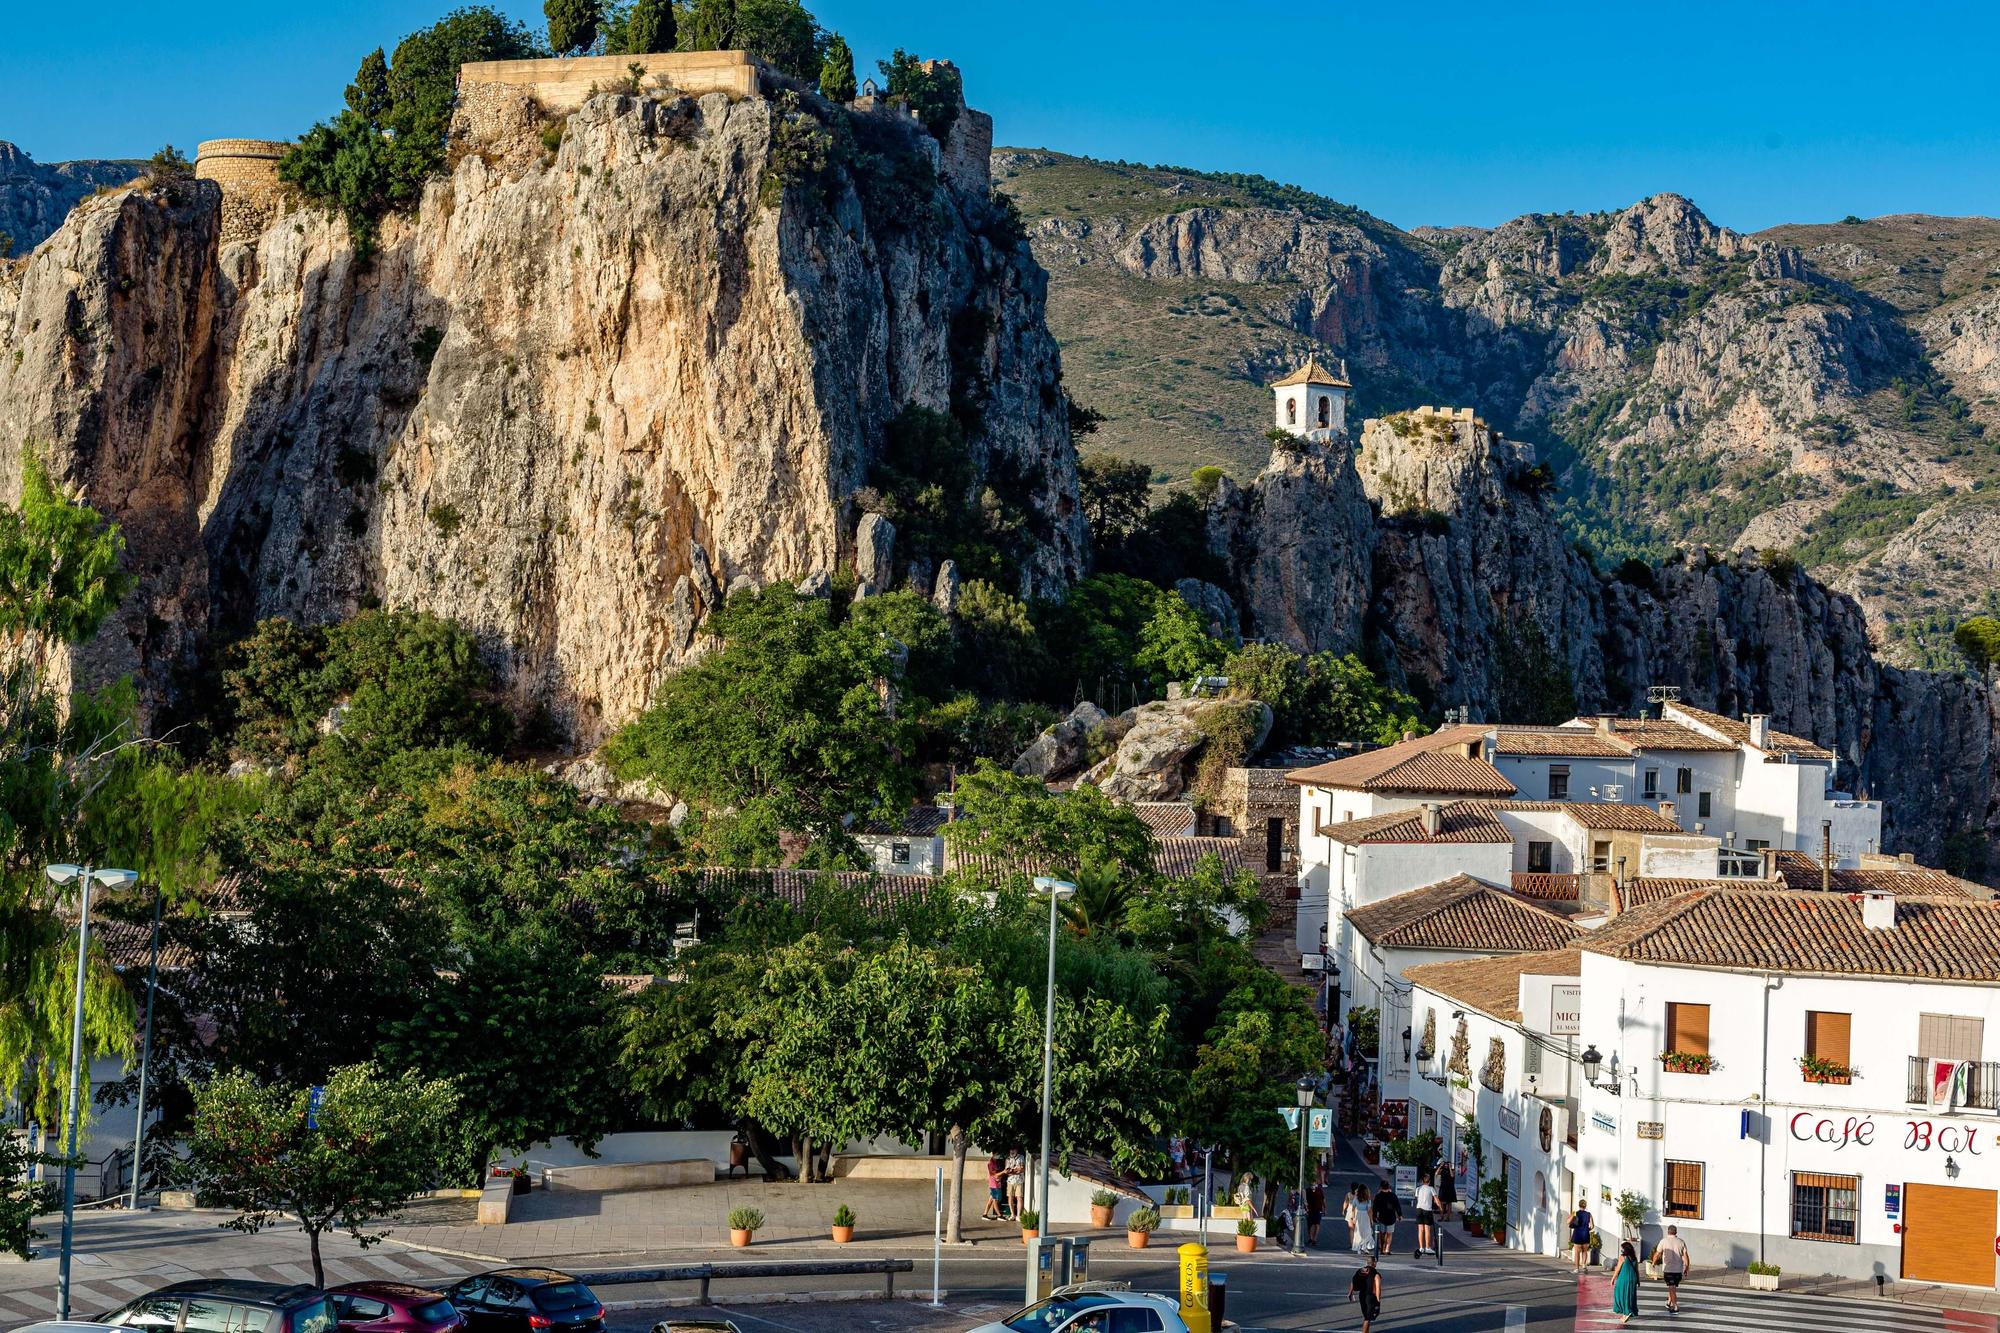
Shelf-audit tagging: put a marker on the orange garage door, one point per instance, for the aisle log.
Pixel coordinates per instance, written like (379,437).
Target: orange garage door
(1948,1234)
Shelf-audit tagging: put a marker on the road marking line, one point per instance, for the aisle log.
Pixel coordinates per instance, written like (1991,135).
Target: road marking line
(1517,1318)
(760,1319)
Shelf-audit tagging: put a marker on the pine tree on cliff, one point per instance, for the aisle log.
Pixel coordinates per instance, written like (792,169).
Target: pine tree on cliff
(836,71)
(573,24)
(649,27)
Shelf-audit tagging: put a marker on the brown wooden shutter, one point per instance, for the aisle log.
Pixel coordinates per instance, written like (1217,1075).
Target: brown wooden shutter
(1687,1028)
(1950,1037)
(1827,1035)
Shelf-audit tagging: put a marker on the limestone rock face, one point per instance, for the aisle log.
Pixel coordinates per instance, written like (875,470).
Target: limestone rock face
(1301,539)
(36,197)
(569,398)
(1154,758)
(1061,748)
(874,553)
(1216,608)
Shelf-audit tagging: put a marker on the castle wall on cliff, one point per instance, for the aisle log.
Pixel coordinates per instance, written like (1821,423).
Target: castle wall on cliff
(247,172)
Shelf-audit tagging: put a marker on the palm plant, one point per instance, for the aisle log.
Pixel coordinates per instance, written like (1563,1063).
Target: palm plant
(1102,898)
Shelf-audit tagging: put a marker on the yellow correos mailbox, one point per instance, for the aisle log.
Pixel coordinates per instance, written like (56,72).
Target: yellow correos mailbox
(1194,1288)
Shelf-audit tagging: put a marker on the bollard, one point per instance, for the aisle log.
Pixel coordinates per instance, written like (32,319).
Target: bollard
(1218,1297)
(1194,1288)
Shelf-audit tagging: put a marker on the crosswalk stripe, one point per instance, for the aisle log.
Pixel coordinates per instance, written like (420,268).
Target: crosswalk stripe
(293,1272)
(1751,1312)
(437,1263)
(33,1300)
(130,1286)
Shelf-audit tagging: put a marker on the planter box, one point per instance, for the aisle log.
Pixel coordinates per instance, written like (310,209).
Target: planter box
(1762,1281)
(1652,1272)
(177,1199)
(1840,1079)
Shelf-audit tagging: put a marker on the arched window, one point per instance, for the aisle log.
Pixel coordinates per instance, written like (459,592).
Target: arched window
(1325,404)
(1291,411)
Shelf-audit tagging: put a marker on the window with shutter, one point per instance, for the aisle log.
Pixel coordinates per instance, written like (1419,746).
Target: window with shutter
(1687,1028)
(1949,1037)
(1825,1207)
(1682,1194)
(1827,1036)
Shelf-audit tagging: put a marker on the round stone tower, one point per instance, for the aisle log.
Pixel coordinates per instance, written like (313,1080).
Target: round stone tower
(247,171)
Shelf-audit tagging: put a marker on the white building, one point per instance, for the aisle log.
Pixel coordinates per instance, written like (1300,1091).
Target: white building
(1799,1077)
(1456,919)
(1495,1049)
(913,845)
(1312,402)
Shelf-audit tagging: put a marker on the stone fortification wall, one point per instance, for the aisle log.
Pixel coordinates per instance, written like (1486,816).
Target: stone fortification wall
(247,171)
(562,85)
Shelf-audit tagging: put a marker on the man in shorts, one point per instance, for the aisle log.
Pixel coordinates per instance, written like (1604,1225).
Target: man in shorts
(1367,1288)
(1386,1213)
(1427,1208)
(1672,1257)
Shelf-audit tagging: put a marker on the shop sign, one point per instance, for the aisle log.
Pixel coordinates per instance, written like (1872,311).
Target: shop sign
(1652,1129)
(1892,1199)
(1566,1011)
(1604,1122)
(1510,1121)
(1923,1136)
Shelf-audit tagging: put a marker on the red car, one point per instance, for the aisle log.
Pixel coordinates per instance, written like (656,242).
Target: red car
(394,1307)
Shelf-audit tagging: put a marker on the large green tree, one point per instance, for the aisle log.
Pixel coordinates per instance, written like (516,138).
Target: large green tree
(573,24)
(367,1145)
(1019,820)
(1978,638)
(790,727)
(1114,493)
(780,32)
(836,70)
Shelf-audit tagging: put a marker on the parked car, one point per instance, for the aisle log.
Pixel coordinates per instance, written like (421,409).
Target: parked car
(1095,1308)
(228,1305)
(394,1307)
(60,1326)
(697,1326)
(527,1300)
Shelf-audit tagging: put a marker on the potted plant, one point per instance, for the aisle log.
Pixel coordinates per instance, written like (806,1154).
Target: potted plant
(1246,1235)
(1031,1225)
(843,1225)
(1474,1226)
(1493,1209)
(1763,1277)
(1687,1062)
(743,1224)
(1818,1070)
(1140,1226)
(1596,1247)
(522,1182)
(1101,1204)
(1631,1211)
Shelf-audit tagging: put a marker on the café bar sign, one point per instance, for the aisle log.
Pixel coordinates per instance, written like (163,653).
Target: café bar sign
(1918,1136)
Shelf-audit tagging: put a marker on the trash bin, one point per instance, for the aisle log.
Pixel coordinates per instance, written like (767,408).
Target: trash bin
(1218,1297)
(1194,1289)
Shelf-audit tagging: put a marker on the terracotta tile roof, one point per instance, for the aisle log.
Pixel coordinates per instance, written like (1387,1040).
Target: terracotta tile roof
(877,892)
(1644,733)
(1577,742)
(1459,821)
(1423,765)
(990,866)
(1808,932)
(1312,373)
(1607,816)
(1493,985)
(1738,731)
(1461,913)
(1167,818)
(1644,890)
(921,821)
(1800,870)
(127,945)
(1180,857)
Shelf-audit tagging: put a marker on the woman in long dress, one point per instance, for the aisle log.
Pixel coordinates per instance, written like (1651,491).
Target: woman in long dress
(1625,1283)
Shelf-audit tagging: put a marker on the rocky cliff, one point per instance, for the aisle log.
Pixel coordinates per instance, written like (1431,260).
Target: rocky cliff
(1431,547)
(36,197)
(1812,388)
(571,399)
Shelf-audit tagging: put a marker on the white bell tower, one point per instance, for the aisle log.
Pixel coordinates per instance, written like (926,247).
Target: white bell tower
(1312,402)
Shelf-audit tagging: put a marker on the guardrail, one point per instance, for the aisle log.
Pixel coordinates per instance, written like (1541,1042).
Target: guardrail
(707,1273)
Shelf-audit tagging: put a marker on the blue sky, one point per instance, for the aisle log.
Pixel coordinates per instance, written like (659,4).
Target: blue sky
(1435,113)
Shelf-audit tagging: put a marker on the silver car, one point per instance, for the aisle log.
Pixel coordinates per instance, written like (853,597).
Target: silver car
(1094,1310)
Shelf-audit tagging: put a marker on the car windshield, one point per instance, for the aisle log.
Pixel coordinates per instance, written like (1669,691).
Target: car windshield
(316,1317)
(1050,1314)
(436,1312)
(564,1296)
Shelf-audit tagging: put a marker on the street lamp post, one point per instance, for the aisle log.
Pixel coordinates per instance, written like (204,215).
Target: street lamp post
(1057,889)
(1299,1200)
(110,879)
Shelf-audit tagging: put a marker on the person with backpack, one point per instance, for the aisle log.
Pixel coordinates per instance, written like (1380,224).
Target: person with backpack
(1386,1213)
(1581,1224)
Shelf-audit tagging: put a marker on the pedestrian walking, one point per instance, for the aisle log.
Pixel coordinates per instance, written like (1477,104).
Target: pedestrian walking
(1017,1180)
(1427,1204)
(1625,1283)
(1354,1212)
(1672,1257)
(996,1190)
(1364,1220)
(1447,1192)
(1581,1224)
(1387,1212)
(1315,1210)
(1367,1288)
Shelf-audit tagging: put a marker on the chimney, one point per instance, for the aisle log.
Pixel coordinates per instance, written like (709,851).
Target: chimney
(1826,853)
(1760,729)
(1621,872)
(1433,819)
(1604,724)
(1878,911)
(1668,810)
(1409,736)
(1908,860)
(1770,858)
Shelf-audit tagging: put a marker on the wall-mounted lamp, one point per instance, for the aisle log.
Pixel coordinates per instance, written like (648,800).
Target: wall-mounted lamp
(1406,1046)
(1951,1168)
(1592,1063)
